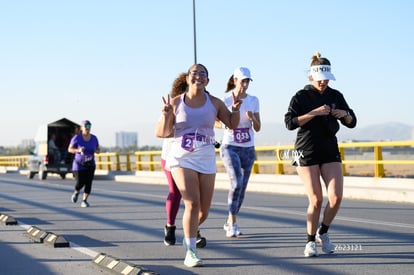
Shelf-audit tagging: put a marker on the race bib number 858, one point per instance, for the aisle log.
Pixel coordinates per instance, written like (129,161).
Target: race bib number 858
(241,135)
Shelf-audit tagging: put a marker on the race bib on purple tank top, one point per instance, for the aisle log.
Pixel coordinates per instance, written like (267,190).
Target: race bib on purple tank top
(191,141)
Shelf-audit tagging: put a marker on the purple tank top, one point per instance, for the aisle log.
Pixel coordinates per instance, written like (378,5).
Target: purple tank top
(199,121)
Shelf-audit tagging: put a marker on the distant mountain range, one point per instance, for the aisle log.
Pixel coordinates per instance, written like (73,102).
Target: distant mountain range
(276,133)
(273,134)
(384,132)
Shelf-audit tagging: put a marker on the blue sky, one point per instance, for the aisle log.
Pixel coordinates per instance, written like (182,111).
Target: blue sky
(112,61)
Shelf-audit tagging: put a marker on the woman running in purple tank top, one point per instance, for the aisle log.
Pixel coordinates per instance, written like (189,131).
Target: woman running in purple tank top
(189,118)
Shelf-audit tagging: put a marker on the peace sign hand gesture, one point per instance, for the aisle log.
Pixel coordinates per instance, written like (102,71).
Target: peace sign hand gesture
(236,103)
(167,108)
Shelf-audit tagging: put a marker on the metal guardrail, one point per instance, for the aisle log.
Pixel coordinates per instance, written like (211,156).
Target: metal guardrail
(277,156)
(15,161)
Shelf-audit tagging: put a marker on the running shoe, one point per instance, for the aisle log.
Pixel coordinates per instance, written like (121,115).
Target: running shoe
(327,246)
(201,241)
(226,226)
(74,197)
(231,232)
(84,204)
(192,259)
(237,230)
(310,250)
(169,238)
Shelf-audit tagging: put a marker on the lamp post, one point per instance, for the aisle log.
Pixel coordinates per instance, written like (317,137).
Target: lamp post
(194,34)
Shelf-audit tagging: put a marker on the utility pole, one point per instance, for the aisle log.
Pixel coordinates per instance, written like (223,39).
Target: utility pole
(194,33)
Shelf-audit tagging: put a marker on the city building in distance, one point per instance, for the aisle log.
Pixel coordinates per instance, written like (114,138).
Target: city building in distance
(126,139)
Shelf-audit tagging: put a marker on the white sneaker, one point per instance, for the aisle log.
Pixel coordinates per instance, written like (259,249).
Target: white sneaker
(84,204)
(226,226)
(237,230)
(327,246)
(192,259)
(231,231)
(310,250)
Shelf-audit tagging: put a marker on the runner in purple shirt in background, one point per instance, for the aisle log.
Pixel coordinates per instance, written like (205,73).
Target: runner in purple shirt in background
(84,146)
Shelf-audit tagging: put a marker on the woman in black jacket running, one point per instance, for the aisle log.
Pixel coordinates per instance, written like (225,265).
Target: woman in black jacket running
(316,110)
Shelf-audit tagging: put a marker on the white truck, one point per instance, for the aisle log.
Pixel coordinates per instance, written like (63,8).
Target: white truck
(51,150)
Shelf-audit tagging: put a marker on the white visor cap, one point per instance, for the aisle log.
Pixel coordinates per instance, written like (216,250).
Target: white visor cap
(321,72)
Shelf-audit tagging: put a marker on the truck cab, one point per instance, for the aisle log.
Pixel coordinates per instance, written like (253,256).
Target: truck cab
(51,154)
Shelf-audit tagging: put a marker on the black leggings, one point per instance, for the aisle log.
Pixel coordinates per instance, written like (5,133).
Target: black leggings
(84,179)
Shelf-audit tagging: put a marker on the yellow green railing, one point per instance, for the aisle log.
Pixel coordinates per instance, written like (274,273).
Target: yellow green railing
(14,161)
(270,159)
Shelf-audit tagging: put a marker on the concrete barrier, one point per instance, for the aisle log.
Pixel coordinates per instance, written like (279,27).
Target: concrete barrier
(99,174)
(7,169)
(364,188)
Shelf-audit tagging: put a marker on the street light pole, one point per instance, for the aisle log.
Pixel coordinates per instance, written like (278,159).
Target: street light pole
(194,33)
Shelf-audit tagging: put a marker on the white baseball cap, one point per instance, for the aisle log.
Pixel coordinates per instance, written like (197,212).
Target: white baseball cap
(321,72)
(242,73)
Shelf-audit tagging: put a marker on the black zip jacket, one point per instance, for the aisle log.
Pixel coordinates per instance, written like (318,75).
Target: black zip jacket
(319,134)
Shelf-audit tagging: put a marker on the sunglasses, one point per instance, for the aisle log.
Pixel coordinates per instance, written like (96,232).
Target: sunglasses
(87,126)
(200,74)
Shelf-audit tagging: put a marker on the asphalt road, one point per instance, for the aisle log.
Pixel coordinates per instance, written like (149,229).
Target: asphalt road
(126,221)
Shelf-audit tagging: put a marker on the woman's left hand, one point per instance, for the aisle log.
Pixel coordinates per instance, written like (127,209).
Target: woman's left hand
(249,115)
(338,113)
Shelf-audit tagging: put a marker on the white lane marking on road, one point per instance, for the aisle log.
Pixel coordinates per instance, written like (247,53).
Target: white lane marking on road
(84,250)
(72,245)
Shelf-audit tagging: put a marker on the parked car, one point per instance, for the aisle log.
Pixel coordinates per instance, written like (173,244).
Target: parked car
(51,149)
